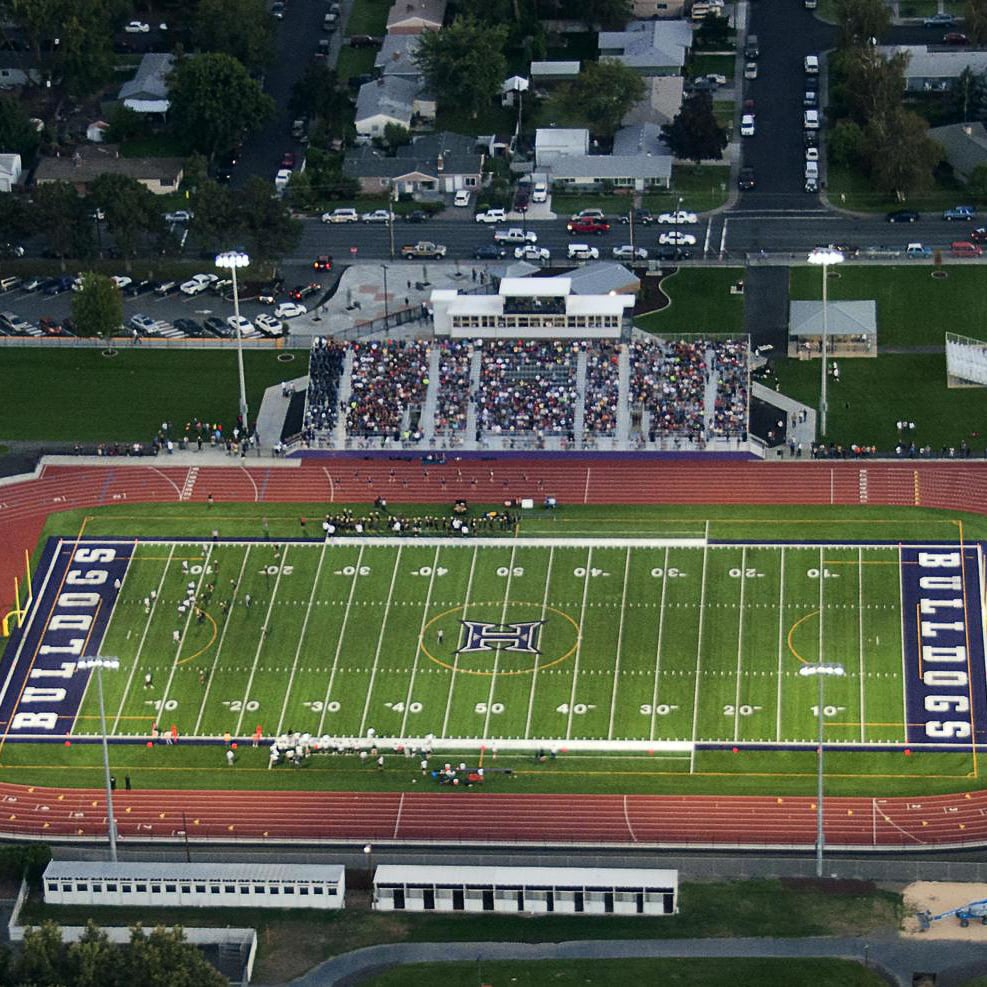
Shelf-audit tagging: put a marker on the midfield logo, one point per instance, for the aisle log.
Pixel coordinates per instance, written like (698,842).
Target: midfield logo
(480,636)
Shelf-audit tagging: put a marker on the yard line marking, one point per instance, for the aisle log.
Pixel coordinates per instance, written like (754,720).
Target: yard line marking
(821,657)
(781,641)
(188,623)
(418,649)
(455,659)
(219,647)
(397,819)
(534,671)
(261,640)
(661,631)
(301,638)
(140,644)
(332,486)
(860,637)
(904,666)
(579,644)
(380,640)
(740,643)
(503,617)
(620,640)
(699,662)
(339,642)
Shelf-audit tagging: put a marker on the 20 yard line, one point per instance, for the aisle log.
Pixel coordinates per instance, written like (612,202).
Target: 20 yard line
(579,644)
(534,670)
(620,639)
(781,644)
(380,641)
(301,637)
(661,631)
(699,661)
(418,650)
(860,637)
(455,660)
(740,644)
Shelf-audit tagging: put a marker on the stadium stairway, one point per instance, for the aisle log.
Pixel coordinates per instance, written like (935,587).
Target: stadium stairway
(623,432)
(579,416)
(431,402)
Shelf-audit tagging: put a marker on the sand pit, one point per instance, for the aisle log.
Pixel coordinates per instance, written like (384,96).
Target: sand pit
(937,897)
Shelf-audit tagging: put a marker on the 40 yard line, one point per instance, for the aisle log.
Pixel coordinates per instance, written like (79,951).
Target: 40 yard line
(661,630)
(620,638)
(534,670)
(579,644)
(740,644)
(418,650)
(455,660)
(380,641)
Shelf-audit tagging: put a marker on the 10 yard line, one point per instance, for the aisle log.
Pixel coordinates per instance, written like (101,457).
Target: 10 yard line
(380,641)
(579,644)
(534,670)
(699,662)
(301,638)
(455,660)
(620,639)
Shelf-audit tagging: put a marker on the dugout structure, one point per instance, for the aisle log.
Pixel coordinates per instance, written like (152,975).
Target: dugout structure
(966,361)
(187,885)
(565,890)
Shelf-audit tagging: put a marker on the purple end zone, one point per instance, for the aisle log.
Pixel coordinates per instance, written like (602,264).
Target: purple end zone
(943,645)
(75,590)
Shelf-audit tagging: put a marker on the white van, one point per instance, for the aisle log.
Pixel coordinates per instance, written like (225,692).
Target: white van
(583,251)
(539,192)
(330,22)
(812,170)
(810,120)
(811,65)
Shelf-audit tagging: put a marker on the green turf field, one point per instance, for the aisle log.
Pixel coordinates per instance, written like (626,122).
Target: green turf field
(633,643)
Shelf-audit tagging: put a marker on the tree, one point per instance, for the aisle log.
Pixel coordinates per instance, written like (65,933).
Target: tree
(318,94)
(130,208)
(861,22)
(464,63)
(267,225)
(845,146)
(713,33)
(977,185)
(603,93)
(394,136)
(214,101)
(125,124)
(164,958)
(62,216)
(16,219)
(92,959)
(17,134)
(901,155)
(41,956)
(975,24)
(216,218)
(97,307)
(873,85)
(241,28)
(694,134)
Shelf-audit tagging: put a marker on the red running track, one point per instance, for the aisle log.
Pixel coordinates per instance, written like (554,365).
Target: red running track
(474,815)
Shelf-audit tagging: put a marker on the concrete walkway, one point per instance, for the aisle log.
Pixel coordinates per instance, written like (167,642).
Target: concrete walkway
(897,957)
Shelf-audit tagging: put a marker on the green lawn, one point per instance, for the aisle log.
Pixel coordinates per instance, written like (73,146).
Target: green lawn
(913,308)
(852,190)
(719,64)
(874,394)
(368,17)
(618,973)
(46,389)
(355,61)
(701,302)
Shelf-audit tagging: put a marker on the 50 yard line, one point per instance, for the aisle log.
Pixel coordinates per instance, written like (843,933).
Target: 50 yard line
(740,644)
(579,644)
(418,650)
(661,630)
(455,660)
(503,617)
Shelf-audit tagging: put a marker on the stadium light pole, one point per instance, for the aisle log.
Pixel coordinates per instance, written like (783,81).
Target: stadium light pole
(820,670)
(824,257)
(99,663)
(230,260)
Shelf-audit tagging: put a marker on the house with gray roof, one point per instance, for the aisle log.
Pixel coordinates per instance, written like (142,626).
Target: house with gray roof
(603,277)
(147,91)
(17,69)
(396,56)
(643,138)
(415,16)
(934,68)
(390,99)
(965,145)
(649,47)
(557,142)
(431,163)
(630,171)
(89,161)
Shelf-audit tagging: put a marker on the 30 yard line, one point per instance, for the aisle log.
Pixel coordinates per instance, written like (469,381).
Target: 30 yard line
(699,662)
(579,645)
(661,630)
(620,638)
(781,644)
(339,643)
(534,670)
(301,638)
(740,644)
(418,650)
(503,617)
(455,660)
(860,638)
(380,641)
(140,644)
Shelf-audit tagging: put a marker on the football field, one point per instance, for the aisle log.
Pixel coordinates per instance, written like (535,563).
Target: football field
(615,643)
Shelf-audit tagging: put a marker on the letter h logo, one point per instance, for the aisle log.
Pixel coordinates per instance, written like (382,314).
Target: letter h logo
(480,636)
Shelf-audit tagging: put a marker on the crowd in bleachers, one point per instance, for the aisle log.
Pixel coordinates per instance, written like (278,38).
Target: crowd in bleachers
(527,386)
(325,371)
(387,378)
(455,365)
(668,380)
(602,388)
(731,366)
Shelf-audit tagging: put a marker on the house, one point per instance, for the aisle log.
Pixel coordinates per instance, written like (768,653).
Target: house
(965,145)
(550,73)
(932,69)
(159,175)
(438,163)
(642,138)
(662,101)
(390,99)
(511,89)
(628,171)
(147,91)
(10,171)
(646,9)
(415,16)
(649,47)
(557,142)
(17,70)
(397,56)
(851,328)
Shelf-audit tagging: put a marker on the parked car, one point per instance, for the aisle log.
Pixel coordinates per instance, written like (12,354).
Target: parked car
(217,327)
(50,327)
(642,217)
(144,324)
(136,288)
(583,251)
(489,251)
(918,251)
(56,286)
(588,214)
(197,284)
(363,41)
(288,159)
(462,197)
(810,119)
(750,70)
(179,216)
(121,281)
(269,325)
(239,325)
(532,252)
(190,327)
(301,291)
(959,212)
(676,238)
(278,9)
(941,19)
(417,216)
(165,287)
(136,27)
(903,216)
(539,192)
(963,248)
(377,216)
(491,216)
(627,252)
(11,250)
(812,154)
(344,215)
(322,263)
(979,235)
(674,253)
(515,235)
(955,38)
(281,179)
(678,217)
(589,225)
(746,180)
(17,326)
(289,310)
(32,284)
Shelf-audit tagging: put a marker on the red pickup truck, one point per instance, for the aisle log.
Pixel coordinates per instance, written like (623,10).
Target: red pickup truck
(588,225)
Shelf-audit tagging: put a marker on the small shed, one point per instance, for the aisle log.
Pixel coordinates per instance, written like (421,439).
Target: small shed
(851,328)
(545,73)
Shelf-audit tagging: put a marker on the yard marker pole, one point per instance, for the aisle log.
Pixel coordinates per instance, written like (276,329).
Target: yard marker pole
(17,604)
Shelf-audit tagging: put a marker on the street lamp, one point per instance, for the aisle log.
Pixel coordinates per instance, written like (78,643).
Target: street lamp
(820,670)
(99,663)
(368,852)
(823,257)
(230,261)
